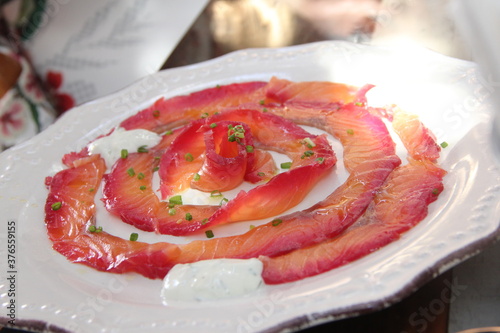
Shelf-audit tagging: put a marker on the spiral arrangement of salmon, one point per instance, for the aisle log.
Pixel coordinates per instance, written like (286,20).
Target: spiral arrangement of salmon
(217,138)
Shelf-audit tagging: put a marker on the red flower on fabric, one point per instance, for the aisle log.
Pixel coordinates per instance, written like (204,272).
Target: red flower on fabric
(33,86)
(12,119)
(63,101)
(54,79)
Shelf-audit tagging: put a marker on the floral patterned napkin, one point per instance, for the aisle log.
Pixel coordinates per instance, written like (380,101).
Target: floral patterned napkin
(25,109)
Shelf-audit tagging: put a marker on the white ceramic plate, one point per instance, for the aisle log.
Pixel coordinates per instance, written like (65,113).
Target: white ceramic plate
(449,95)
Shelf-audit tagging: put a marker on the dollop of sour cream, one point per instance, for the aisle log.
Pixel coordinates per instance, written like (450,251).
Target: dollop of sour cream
(209,280)
(111,146)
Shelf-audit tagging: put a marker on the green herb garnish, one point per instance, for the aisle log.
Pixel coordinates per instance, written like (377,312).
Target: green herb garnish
(307,153)
(175,200)
(56,205)
(276,222)
(286,165)
(215,194)
(142,149)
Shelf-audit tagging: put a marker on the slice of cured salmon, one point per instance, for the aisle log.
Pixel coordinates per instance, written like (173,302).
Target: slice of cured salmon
(399,204)
(288,188)
(397,207)
(169,113)
(128,193)
(70,204)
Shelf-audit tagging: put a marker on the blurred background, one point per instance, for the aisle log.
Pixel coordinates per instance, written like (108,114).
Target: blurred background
(72,52)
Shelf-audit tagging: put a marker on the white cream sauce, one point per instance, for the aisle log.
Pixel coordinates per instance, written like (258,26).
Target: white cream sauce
(110,147)
(215,279)
(200,281)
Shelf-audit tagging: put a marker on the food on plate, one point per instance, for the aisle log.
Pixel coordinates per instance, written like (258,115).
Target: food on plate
(397,206)
(215,139)
(166,114)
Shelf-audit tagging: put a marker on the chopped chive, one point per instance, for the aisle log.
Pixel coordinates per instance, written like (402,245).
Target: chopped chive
(213,125)
(93,228)
(435,191)
(251,226)
(209,233)
(286,165)
(92,190)
(189,217)
(142,188)
(444,144)
(176,200)
(142,149)
(215,194)
(262,102)
(124,153)
(169,132)
(204,115)
(359,103)
(217,86)
(223,201)
(204,221)
(307,153)
(261,174)
(140,175)
(350,131)
(309,143)
(134,236)
(264,110)
(320,160)
(171,211)
(231,138)
(249,149)
(276,222)
(189,157)
(156,113)
(196,177)
(131,172)
(156,169)
(56,205)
